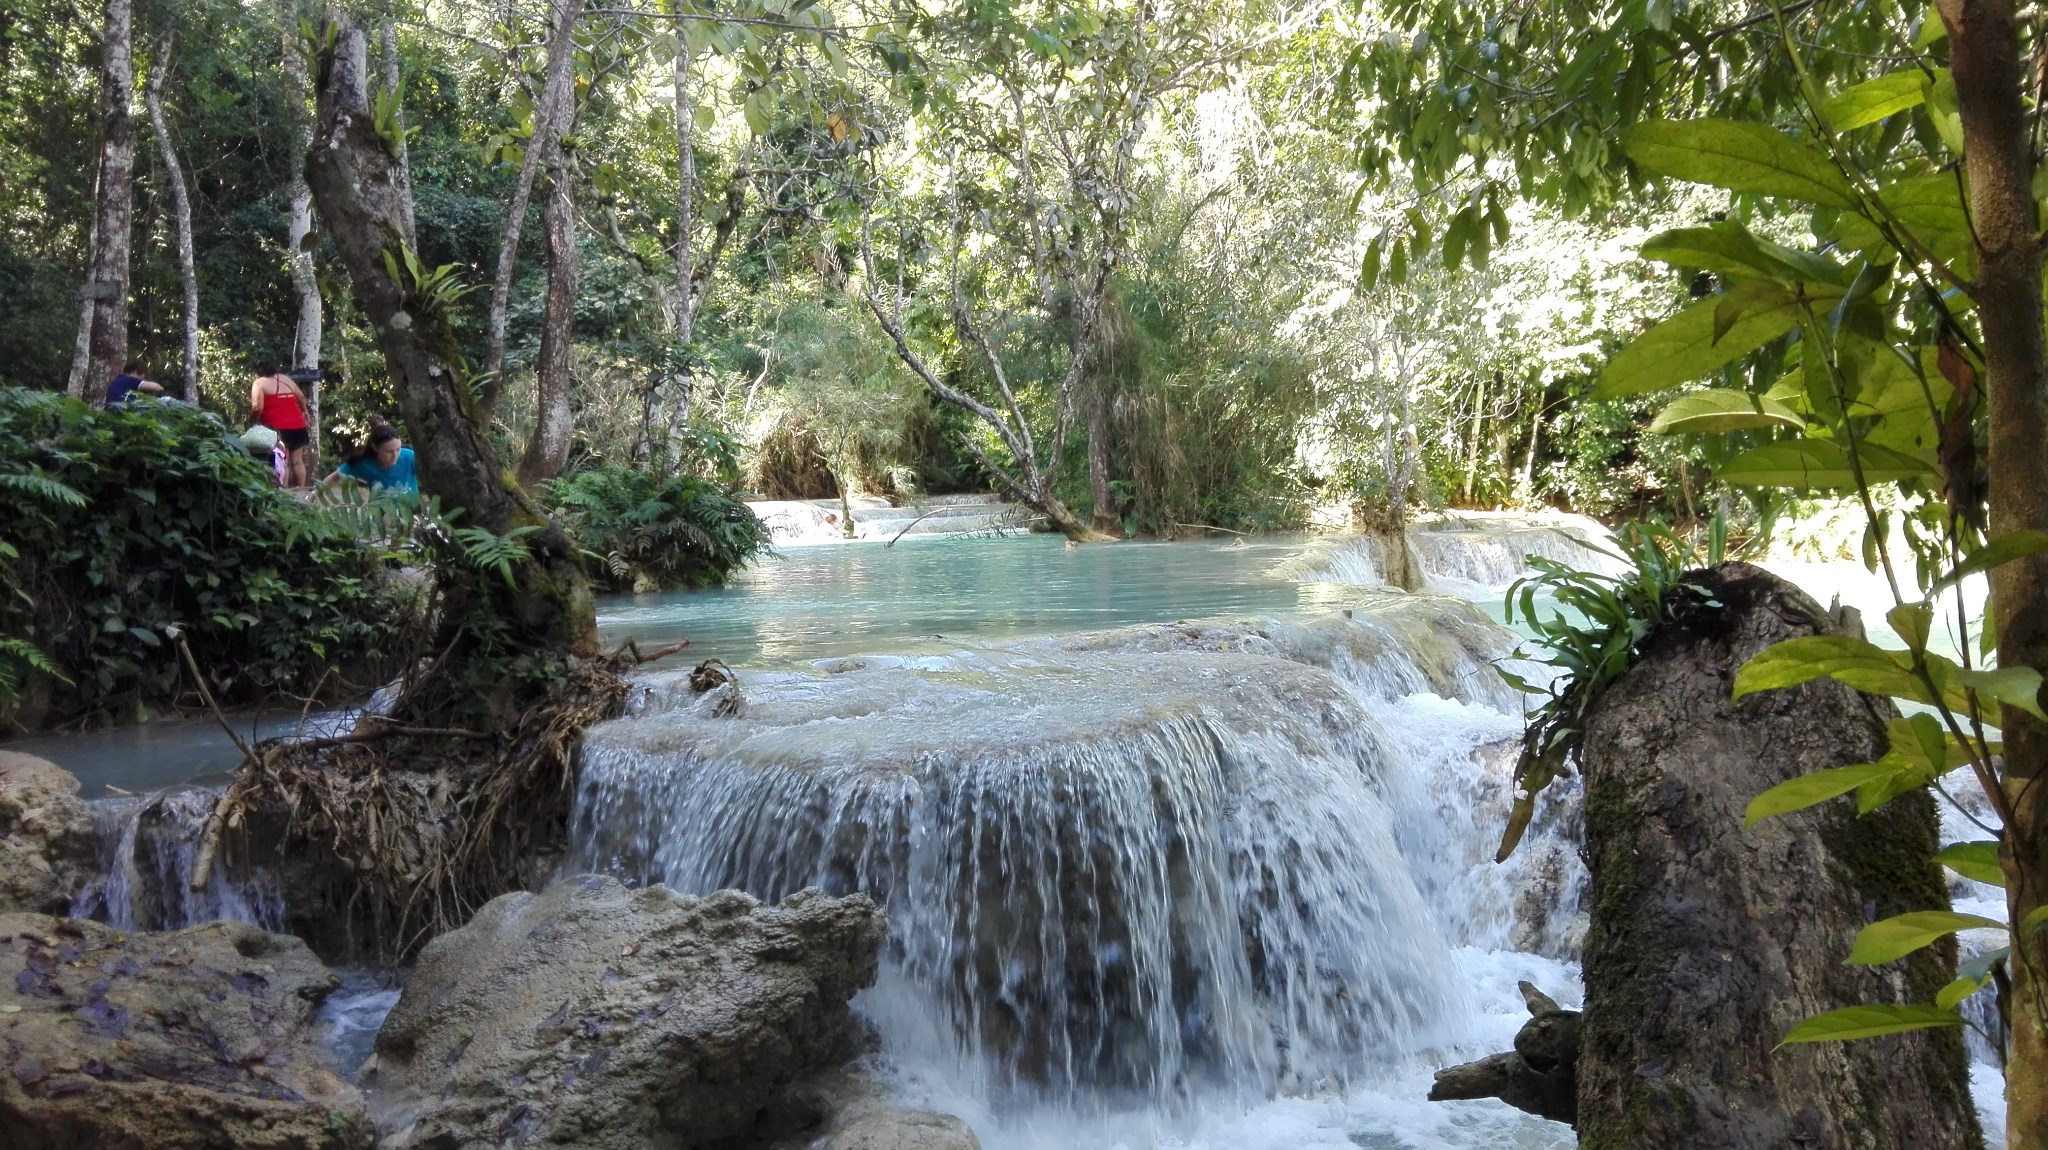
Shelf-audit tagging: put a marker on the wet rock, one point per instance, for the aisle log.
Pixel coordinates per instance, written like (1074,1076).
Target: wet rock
(48,848)
(905,1130)
(616,1019)
(1709,940)
(1540,1075)
(198,1039)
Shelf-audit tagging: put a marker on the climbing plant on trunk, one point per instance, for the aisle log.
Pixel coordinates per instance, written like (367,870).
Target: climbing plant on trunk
(544,603)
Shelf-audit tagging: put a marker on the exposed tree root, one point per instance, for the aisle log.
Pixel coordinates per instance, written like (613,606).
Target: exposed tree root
(398,831)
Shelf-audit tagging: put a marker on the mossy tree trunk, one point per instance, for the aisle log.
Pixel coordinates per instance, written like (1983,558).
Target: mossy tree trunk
(546,609)
(1709,940)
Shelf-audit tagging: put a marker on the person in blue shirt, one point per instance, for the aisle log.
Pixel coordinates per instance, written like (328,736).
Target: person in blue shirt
(385,465)
(129,384)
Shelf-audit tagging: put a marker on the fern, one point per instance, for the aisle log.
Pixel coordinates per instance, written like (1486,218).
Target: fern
(37,484)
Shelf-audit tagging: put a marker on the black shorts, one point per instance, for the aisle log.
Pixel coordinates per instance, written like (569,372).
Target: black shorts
(294,439)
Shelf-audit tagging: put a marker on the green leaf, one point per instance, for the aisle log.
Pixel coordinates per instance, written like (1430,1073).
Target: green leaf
(1857,662)
(1902,774)
(1920,740)
(2035,920)
(1912,621)
(1956,991)
(1722,409)
(1729,250)
(1739,155)
(1875,99)
(2012,686)
(1810,790)
(1930,207)
(1893,938)
(1976,861)
(1869,1022)
(756,115)
(1943,109)
(1818,464)
(2004,549)
(1684,347)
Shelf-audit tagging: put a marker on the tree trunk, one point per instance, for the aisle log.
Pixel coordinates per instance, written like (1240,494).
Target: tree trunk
(686,297)
(1709,940)
(106,288)
(557,96)
(311,328)
(1104,519)
(548,448)
(548,606)
(1984,56)
(388,42)
(181,213)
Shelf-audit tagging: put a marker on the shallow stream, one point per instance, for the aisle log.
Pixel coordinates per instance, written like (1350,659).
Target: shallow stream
(1153,882)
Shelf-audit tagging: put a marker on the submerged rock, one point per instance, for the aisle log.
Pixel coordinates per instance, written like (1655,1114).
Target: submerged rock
(47,841)
(1710,940)
(616,1019)
(200,1038)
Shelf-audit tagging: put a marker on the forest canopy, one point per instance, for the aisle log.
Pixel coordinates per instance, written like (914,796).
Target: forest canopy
(1170,256)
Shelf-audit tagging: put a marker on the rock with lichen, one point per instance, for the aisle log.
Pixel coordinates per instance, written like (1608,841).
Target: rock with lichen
(200,1039)
(615,1019)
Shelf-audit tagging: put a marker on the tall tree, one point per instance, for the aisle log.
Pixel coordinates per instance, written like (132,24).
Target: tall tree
(181,211)
(353,174)
(547,449)
(551,107)
(309,331)
(105,296)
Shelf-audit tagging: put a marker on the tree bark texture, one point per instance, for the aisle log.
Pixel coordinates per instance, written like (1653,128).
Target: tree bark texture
(557,96)
(1709,941)
(353,176)
(181,213)
(308,334)
(547,450)
(1985,59)
(387,37)
(106,287)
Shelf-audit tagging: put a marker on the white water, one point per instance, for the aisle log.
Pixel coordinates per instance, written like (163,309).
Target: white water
(1202,884)
(1473,554)
(150,848)
(799,522)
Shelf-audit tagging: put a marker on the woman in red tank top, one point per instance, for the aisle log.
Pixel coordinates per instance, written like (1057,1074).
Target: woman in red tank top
(277,403)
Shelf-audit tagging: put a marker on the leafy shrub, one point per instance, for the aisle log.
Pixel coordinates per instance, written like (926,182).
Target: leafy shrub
(127,528)
(649,531)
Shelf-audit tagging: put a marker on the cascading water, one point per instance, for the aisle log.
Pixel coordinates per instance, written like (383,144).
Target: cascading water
(1467,553)
(149,851)
(1132,868)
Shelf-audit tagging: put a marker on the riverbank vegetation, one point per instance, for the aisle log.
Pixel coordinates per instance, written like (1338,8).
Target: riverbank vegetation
(1143,268)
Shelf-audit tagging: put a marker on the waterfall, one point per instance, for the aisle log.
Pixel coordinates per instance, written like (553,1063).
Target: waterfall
(149,849)
(1467,553)
(1131,866)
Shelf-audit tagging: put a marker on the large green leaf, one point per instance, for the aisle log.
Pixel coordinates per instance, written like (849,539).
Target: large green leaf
(1722,409)
(1684,348)
(1739,155)
(1857,662)
(1893,938)
(1976,861)
(1818,465)
(1869,1022)
(1875,99)
(1929,207)
(1728,249)
(2004,549)
(1956,991)
(2012,686)
(1811,790)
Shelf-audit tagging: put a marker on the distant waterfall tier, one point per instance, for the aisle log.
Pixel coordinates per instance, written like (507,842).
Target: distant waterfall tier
(1135,863)
(798,521)
(1462,552)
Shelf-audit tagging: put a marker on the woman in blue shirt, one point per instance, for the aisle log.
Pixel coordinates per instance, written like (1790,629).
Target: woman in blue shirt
(385,465)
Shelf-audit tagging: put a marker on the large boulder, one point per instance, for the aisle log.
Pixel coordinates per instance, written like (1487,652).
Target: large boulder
(1709,940)
(622,1019)
(200,1039)
(47,845)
